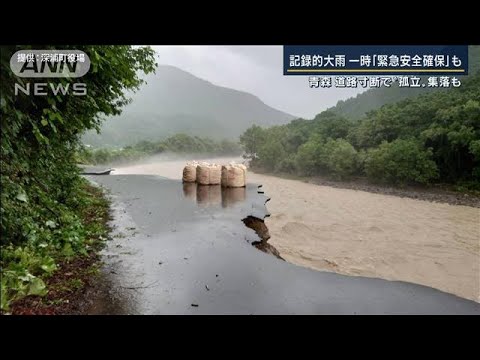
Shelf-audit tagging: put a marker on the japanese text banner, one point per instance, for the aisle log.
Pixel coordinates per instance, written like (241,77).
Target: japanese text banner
(375,59)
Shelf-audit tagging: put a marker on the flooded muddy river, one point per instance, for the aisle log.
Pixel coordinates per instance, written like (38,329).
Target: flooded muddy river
(178,251)
(360,233)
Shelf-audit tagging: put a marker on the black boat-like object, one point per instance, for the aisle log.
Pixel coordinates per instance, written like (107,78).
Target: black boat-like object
(105,172)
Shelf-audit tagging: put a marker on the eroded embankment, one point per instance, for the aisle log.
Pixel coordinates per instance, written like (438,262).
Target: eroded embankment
(258,225)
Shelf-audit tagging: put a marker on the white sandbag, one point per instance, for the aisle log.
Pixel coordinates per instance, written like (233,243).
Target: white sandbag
(209,174)
(233,176)
(238,178)
(244,168)
(203,174)
(189,173)
(224,180)
(215,174)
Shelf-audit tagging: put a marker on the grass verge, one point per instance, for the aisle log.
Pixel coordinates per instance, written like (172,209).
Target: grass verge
(38,279)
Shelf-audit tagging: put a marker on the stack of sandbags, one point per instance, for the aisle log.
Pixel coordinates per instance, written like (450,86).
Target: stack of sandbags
(231,175)
(190,172)
(234,175)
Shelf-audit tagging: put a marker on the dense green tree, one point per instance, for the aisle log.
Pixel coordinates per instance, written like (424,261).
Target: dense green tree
(357,107)
(252,139)
(401,162)
(444,124)
(309,155)
(331,125)
(445,121)
(339,158)
(40,137)
(271,153)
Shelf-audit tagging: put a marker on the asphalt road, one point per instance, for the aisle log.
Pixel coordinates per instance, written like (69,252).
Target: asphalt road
(185,250)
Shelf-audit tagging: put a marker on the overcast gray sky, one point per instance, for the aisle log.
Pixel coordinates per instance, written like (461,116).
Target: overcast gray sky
(257,70)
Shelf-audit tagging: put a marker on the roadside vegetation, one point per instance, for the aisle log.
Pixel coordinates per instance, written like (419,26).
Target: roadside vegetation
(50,216)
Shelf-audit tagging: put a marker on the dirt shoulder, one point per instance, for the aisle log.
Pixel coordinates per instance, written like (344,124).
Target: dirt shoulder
(71,286)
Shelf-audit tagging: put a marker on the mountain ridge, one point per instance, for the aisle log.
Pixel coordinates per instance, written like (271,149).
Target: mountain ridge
(174,101)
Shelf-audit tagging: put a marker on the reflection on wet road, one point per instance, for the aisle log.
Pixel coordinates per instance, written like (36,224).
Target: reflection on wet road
(183,249)
(214,195)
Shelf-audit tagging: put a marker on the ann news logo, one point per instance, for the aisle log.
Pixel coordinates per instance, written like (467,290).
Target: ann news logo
(50,64)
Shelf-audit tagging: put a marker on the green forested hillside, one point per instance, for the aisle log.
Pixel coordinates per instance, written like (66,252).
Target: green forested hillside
(174,101)
(356,107)
(434,137)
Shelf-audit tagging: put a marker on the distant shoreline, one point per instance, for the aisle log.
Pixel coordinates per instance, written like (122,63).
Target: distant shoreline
(443,193)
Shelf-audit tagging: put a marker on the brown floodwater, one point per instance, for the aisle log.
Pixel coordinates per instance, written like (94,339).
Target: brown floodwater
(358,233)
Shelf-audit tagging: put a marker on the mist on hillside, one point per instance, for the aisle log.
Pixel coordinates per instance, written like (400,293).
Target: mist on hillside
(174,101)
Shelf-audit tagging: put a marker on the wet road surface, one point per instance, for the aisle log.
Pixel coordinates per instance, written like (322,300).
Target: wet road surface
(183,249)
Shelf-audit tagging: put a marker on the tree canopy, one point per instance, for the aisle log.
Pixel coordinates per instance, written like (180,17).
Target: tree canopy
(40,181)
(432,137)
